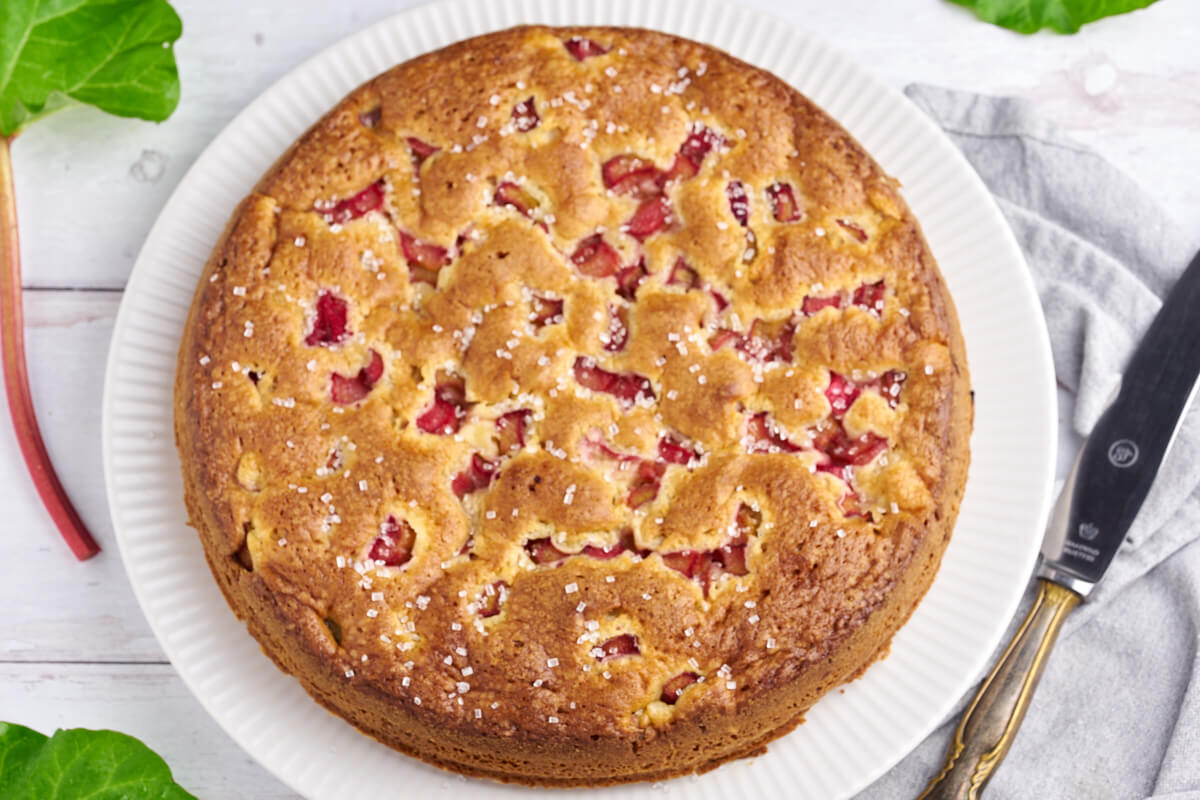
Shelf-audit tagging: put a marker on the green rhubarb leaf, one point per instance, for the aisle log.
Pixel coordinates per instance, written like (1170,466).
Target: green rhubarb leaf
(116,55)
(1064,16)
(18,746)
(76,764)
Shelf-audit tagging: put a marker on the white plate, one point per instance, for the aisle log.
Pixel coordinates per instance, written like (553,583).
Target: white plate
(850,738)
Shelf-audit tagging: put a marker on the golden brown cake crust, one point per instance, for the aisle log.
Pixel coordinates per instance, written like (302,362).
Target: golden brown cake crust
(573,406)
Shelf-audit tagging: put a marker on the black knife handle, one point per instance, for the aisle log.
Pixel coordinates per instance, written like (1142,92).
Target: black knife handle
(990,723)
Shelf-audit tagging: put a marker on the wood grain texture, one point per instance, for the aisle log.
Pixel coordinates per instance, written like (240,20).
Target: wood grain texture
(74,649)
(57,608)
(147,701)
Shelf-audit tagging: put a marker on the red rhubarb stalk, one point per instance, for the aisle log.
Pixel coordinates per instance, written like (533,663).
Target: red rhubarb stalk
(16,378)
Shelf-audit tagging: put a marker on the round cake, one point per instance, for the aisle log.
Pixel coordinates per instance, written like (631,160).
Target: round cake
(573,406)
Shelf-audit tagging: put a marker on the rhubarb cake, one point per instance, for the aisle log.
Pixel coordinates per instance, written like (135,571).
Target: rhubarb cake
(573,406)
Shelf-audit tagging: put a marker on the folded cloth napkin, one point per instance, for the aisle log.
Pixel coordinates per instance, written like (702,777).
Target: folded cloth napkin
(1117,714)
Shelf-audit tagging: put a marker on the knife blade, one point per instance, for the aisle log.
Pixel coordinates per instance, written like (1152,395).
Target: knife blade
(1122,456)
(1099,502)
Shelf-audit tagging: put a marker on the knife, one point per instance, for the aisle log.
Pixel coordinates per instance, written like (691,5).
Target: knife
(1106,488)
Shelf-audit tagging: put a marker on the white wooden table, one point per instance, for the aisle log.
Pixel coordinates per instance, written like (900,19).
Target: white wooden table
(74,648)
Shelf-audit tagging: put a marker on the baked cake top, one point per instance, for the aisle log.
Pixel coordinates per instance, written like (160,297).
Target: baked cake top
(576,384)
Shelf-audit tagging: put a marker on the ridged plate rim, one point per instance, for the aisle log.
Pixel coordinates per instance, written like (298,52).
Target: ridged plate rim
(851,737)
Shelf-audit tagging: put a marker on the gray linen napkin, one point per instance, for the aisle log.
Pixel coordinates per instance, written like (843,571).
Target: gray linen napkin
(1117,714)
